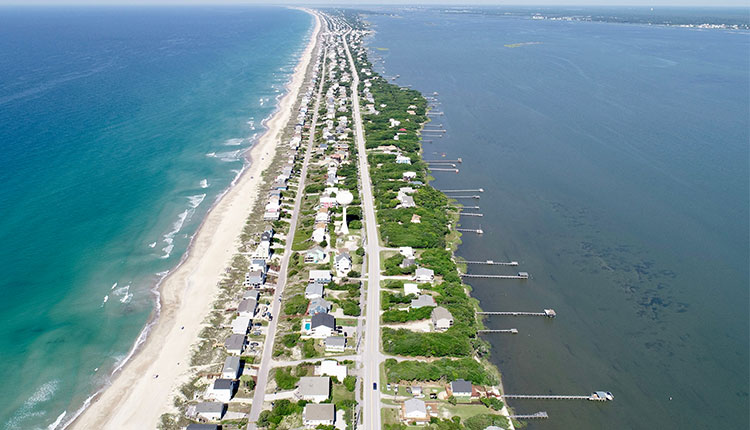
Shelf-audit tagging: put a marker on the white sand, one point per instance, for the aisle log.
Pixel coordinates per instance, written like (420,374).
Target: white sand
(135,399)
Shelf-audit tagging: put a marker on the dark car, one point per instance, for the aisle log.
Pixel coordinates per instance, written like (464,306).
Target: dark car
(374,385)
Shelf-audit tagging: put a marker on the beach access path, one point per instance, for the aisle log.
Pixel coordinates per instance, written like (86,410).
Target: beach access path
(372,357)
(266,361)
(144,388)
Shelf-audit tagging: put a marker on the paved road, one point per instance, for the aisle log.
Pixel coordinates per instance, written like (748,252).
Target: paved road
(371,355)
(265,364)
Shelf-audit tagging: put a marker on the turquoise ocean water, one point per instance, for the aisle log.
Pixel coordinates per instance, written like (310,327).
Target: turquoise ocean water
(614,159)
(119,127)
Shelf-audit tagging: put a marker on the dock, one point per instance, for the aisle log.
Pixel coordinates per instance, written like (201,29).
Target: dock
(457,160)
(470,214)
(505,330)
(440,169)
(471,190)
(596,396)
(492,262)
(434,113)
(538,415)
(520,275)
(465,197)
(471,230)
(465,207)
(549,313)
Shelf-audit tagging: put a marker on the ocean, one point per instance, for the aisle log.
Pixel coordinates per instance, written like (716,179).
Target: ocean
(614,163)
(119,128)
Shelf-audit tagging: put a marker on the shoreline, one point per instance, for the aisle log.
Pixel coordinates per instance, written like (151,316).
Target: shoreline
(141,387)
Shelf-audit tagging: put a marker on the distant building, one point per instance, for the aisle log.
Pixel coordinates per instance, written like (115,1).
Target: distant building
(441,319)
(315,415)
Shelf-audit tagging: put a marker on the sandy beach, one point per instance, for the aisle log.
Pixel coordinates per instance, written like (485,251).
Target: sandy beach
(137,398)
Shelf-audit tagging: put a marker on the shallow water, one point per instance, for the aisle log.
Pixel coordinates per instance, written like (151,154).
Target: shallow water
(614,160)
(119,127)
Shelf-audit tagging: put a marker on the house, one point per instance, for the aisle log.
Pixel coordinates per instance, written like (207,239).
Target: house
(402,159)
(240,325)
(314,291)
(406,262)
(409,175)
(322,276)
(406,201)
(331,368)
(411,289)
(247,307)
(322,325)
(343,263)
(335,344)
(424,275)
(203,427)
(416,390)
(235,344)
(441,319)
(319,234)
(315,415)
(222,390)
(232,367)
(461,388)
(255,278)
(318,306)
(406,251)
(251,294)
(315,255)
(314,388)
(414,410)
(208,411)
(422,301)
(416,219)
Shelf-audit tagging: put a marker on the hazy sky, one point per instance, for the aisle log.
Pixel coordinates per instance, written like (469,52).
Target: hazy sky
(735,3)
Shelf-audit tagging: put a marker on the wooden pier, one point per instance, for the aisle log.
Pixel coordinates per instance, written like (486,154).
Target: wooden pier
(505,330)
(465,207)
(596,396)
(457,160)
(440,169)
(471,230)
(435,113)
(465,197)
(492,262)
(549,313)
(538,415)
(471,190)
(469,214)
(520,275)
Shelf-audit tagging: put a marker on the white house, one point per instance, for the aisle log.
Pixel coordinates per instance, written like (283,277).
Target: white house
(409,175)
(315,415)
(247,307)
(208,411)
(232,367)
(235,343)
(411,289)
(321,276)
(442,319)
(314,388)
(335,344)
(414,410)
(461,388)
(322,325)
(406,251)
(331,368)
(319,234)
(424,275)
(314,291)
(422,301)
(222,390)
(343,263)
(315,255)
(240,325)
(402,159)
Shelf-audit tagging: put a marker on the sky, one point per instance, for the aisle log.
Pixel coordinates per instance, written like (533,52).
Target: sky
(693,3)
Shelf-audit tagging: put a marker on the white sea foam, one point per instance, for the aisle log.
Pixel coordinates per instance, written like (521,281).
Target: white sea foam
(204,183)
(105,300)
(57,422)
(152,245)
(229,156)
(234,142)
(124,294)
(196,200)
(30,408)
(176,227)
(211,154)
(113,286)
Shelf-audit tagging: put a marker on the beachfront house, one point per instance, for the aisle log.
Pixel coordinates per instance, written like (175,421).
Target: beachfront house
(203,427)
(424,300)
(240,325)
(316,415)
(255,278)
(247,308)
(235,344)
(335,344)
(232,367)
(424,275)
(414,411)
(318,305)
(441,319)
(314,290)
(331,368)
(222,390)
(207,411)
(321,276)
(315,255)
(251,294)
(343,263)
(314,388)
(322,325)
(461,388)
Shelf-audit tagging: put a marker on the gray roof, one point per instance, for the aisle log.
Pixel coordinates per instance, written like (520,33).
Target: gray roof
(440,313)
(203,427)
(415,405)
(323,320)
(321,412)
(235,341)
(224,384)
(232,364)
(343,255)
(423,301)
(247,305)
(335,341)
(313,289)
(318,305)
(210,407)
(461,386)
(424,272)
(252,294)
(314,385)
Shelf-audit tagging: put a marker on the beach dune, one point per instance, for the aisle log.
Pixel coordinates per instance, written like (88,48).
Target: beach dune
(143,389)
